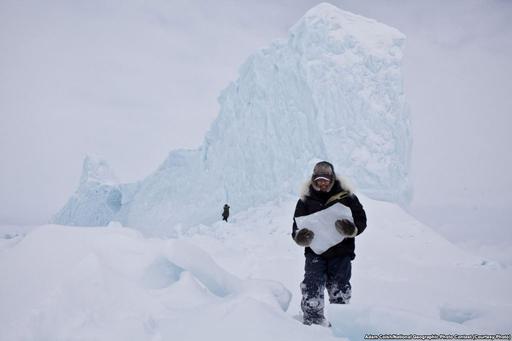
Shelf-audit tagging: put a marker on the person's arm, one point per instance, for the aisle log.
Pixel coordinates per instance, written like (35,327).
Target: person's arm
(304,236)
(299,211)
(358,213)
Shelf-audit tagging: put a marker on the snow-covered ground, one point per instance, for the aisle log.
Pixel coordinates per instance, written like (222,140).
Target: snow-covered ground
(240,281)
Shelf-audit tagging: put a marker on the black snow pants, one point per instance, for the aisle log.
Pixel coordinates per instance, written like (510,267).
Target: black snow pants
(320,273)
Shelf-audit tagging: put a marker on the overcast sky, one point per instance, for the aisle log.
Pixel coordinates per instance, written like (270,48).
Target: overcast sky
(132,80)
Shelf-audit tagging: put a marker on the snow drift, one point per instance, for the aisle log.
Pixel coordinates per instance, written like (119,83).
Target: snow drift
(332,90)
(64,283)
(240,281)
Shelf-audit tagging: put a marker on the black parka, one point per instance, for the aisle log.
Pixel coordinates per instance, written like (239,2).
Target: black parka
(313,201)
(225,213)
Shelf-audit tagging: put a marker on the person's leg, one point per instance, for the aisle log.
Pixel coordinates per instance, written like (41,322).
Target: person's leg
(339,271)
(312,288)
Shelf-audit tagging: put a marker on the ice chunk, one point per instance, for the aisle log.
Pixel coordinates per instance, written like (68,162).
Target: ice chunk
(97,199)
(322,224)
(96,169)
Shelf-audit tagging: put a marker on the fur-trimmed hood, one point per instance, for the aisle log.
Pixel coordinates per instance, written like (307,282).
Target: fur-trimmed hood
(306,188)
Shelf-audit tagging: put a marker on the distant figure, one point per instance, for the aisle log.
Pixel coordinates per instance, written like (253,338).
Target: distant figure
(225,214)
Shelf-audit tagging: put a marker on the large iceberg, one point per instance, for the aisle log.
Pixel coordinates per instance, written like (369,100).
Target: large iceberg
(332,90)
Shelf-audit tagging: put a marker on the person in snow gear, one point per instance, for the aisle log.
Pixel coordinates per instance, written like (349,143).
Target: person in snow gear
(225,214)
(331,269)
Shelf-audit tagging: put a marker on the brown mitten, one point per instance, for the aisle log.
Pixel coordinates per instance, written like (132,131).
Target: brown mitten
(346,228)
(304,237)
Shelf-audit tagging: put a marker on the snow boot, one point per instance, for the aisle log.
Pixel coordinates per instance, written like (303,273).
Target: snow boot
(318,321)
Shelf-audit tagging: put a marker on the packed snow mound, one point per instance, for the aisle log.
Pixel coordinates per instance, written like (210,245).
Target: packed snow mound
(70,283)
(331,91)
(97,199)
(219,281)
